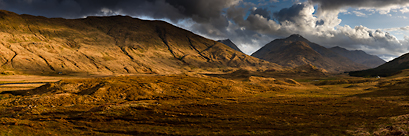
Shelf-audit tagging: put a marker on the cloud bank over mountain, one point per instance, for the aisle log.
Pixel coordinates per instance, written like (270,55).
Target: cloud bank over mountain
(250,24)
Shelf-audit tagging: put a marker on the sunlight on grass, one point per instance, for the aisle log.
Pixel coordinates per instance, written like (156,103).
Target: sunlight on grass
(184,105)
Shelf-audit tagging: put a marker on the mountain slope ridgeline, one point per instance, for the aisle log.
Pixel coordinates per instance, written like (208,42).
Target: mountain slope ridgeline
(106,45)
(229,43)
(359,57)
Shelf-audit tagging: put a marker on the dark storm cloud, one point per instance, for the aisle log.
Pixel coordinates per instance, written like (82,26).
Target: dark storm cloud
(207,14)
(262,12)
(254,21)
(336,4)
(199,10)
(289,14)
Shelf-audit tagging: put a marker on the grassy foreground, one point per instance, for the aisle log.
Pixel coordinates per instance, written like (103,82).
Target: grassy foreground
(202,105)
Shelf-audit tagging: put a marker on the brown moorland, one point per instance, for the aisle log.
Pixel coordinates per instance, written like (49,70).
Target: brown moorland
(203,105)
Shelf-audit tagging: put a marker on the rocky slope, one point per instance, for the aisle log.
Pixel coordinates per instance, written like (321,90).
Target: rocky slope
(295,51)
(106,45)
(359,57)
(229,43)
(390,68)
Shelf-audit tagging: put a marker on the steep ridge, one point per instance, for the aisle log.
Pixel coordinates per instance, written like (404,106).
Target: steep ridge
(229,43)
(390,68)
(359,57)
(295,51)
(106,45)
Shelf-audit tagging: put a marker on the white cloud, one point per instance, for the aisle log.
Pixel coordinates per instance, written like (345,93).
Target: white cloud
(404,10)
(359,14)
(406,28)
(386,10)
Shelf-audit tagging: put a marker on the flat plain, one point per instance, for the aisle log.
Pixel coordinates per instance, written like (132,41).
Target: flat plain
(242,103)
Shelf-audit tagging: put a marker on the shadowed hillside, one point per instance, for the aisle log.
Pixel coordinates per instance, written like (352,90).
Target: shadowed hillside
(388,69)
(106,45)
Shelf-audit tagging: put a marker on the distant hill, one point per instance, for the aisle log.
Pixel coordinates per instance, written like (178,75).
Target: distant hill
(229,43)
(295,51)
(106,45)
(388,69)
(359,57)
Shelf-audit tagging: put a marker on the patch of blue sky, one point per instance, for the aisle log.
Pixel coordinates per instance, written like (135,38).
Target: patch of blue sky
(374,20)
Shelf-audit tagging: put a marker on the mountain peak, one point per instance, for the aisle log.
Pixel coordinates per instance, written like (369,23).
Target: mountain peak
(229,43)
(225,40)
(296,37)
(295,51)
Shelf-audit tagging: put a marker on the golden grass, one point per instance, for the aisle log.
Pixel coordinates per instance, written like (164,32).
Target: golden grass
(186,105)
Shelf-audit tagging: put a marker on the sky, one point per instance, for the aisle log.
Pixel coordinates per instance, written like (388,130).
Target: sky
(378,27)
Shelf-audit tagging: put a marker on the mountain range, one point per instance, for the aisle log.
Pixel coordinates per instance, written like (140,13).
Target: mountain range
(295,51)
(359,57)
(122,44)
(106,45)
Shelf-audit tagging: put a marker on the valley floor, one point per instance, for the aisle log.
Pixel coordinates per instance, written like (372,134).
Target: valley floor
(204,105)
